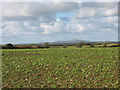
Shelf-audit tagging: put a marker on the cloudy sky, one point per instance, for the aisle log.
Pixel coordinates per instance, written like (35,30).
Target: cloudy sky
(34,22)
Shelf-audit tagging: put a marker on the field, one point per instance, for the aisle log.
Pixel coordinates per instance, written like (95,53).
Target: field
(60,68)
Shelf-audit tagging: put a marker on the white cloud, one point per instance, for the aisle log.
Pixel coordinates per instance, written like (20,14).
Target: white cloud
(86,13)
(79,28)
(111,19)
(75,28)
(56,27)
(19,28)
(42,19)
(111,12)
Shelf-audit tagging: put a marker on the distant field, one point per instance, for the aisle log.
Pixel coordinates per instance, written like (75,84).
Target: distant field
(60,68)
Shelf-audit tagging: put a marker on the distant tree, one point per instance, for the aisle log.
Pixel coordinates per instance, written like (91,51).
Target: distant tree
(9,45)
(80,44)
(65,45)
(46,45)
(39,46)
(104,44)
(91,45)
(98,43)
(33,44)
(118,43)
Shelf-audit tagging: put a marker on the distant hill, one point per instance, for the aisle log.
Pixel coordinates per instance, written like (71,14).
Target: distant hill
(55,42)
(68,42)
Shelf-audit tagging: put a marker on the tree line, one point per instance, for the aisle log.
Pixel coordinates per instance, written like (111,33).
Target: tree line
(47,45)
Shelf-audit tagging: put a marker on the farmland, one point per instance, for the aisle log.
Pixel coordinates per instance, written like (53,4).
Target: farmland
(60,68)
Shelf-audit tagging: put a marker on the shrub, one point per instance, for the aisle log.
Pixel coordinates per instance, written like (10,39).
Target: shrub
(65,45)
(80,44)
(9,45)
(46,45)
(91,45)
(104,44)
(39,46)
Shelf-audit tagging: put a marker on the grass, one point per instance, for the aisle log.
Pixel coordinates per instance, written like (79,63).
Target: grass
(60,68)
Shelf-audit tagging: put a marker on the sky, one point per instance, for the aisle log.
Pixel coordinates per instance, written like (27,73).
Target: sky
(34,22)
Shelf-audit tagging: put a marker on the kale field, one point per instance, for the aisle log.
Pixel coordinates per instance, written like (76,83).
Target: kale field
(60,68)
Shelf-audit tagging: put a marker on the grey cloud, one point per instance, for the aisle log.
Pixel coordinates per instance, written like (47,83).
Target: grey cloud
(100,5)
(51,7)
(44,11)
(97,9)
(65,19)
(19,18)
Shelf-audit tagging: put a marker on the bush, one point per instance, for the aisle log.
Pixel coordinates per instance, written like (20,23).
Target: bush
(65,45)
(9,45)
(104,44)
(92,45)
(80,44)
(46,45)
(39,46)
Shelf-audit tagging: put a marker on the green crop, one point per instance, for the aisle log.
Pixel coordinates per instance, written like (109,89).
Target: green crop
(60,68)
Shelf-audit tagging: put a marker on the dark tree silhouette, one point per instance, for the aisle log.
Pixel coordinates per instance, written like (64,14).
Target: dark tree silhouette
(9,45)
(91,45)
